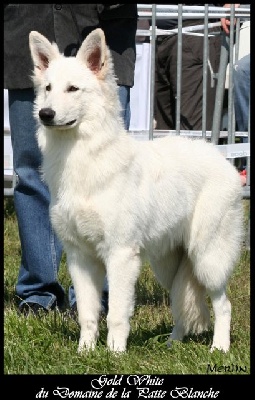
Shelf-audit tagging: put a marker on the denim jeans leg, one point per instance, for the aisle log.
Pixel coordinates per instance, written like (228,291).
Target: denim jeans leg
(241,77)
(124,96)
(40,249)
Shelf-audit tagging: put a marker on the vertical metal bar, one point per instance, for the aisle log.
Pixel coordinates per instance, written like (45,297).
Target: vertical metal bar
(179,69)
(231,130)
(237,41)
(152,77)
(221,77)
(205,69)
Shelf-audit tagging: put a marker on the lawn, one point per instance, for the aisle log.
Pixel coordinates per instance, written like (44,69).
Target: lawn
(47,345)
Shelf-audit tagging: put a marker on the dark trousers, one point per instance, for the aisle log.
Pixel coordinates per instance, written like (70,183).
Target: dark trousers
(191,81)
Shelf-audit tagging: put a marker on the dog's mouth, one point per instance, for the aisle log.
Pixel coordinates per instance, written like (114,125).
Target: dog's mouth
(71,122)
(54,125)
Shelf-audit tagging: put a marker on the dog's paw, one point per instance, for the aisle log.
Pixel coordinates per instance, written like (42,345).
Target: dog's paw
(170,341)
(116,345)
(221,341)
(177,333)
(222,346)
(86,345)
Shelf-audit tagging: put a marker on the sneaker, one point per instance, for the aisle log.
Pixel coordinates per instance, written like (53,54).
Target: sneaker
(32,309)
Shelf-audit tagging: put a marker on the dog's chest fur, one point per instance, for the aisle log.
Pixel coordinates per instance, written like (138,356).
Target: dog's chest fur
(77,224)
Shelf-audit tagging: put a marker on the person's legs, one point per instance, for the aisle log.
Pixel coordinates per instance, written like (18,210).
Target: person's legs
(164,104)
(40,249)
(214,43)
(124,96)
(241,78)
(192,80)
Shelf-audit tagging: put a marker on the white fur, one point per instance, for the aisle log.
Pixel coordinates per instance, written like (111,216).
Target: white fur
(113,199)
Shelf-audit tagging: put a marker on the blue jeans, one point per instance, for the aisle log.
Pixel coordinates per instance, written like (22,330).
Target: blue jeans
(124,96)
(241,78)
(41,250)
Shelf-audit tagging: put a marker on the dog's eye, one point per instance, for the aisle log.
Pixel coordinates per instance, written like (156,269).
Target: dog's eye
(72,88)
(48,88)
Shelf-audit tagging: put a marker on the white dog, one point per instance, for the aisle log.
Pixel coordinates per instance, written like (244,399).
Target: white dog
(114,199)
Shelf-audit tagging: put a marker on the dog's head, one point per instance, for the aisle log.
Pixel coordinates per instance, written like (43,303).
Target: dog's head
(72,90)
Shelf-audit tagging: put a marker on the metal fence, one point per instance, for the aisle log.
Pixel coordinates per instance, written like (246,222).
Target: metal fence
(229,51)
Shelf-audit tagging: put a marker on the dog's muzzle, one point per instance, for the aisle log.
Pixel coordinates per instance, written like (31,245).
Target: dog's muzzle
(47,117)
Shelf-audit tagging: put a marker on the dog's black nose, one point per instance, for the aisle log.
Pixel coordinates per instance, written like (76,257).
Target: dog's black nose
(47,114)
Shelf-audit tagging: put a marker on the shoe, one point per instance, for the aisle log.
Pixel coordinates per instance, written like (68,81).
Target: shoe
(32,309)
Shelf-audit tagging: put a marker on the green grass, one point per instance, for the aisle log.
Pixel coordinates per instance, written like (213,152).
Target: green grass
(48,345)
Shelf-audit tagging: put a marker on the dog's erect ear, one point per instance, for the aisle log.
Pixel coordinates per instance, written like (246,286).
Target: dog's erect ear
(93,51)
(42,51)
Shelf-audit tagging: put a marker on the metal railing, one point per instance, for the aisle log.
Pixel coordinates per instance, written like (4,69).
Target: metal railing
(154,12)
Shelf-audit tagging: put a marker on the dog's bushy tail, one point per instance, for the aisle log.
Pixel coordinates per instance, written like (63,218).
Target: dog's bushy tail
(188,302)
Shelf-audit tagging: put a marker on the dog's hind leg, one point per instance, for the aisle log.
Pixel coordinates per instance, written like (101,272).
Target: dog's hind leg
(222,313)
(165,267)
(88,277)
(188,303)
(213,268)
(215,243)
(123,269)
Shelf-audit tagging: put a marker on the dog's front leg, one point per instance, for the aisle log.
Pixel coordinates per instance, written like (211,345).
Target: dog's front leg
(122,270)
(87,275)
